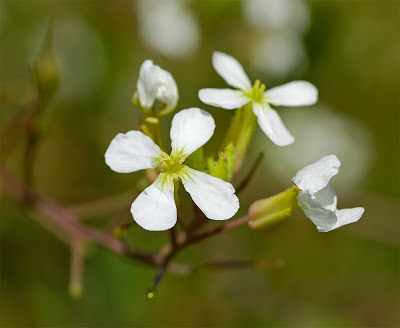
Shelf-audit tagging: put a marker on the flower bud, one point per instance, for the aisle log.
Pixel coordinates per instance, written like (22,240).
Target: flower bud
(46,66)
(47,72)
(155,84)
(268,211)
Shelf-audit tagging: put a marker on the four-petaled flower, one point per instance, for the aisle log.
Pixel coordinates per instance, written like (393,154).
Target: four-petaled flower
(154,208)
(296,93)
(318,199)
(155,83)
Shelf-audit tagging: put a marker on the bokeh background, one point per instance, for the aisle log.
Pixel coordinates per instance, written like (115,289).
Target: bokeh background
(349,49)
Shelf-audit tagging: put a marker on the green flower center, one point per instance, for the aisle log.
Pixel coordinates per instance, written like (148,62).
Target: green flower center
(257,93)
(172,164)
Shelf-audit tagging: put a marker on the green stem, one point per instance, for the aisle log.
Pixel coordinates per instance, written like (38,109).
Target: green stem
(154,126)
(240,133)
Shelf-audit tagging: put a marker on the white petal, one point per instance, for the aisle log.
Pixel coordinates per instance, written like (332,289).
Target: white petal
(296,93)
(190,129)
(325,219)
(230,70)
(316,176)
(272,125)
(154,209)
(327,198)
(224,98)
(131,152)
(155,83)
(347,216)
(215,198)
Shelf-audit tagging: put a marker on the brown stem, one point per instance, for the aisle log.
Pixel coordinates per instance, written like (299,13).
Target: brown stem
(118,220)
(213,231)
(101,206)
(198,220)
(66,221)
(183,240)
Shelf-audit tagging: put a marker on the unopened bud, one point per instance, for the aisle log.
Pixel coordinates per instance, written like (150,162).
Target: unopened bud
(46,66)
(268,211)
(156,89)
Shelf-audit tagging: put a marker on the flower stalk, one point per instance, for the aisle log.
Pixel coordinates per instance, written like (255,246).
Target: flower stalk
(240,133)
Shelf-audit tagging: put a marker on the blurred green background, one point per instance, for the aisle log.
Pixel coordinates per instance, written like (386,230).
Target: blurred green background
(349,49)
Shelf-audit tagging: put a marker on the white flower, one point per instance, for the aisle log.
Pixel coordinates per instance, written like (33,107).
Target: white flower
(296,93)
(154,208)
(276,55)
(277,14)
(155,83)
(318,200)
(169,27)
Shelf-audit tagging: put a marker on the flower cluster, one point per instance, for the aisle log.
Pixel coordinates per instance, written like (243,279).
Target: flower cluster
(156,207)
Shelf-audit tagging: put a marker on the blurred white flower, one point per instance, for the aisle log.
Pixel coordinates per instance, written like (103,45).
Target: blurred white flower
(277,14)
(277,49)
(296,93)
(277,54)
(155,83)
(318,200)
(168,27)
(155,209)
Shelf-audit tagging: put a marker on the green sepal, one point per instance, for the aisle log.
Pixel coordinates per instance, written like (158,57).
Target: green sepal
(223,167)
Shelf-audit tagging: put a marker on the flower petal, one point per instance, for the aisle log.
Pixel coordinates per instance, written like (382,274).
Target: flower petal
(296,93)
(347,216)
(154,209)
(272,125)
(230,70)
(155,83)
(132,151)
(316,176)
(224,98)
(325,219)
(190,129)
(215,198)
(327,198)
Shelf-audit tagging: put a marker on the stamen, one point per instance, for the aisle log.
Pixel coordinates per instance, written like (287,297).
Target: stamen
(172,164)
(257,93)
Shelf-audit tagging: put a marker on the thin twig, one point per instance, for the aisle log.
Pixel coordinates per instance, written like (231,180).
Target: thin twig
(250,174)
(65,220)
(181,224)
(198,220)
(101,206)
(183,239)
(216,230)
(119,218)
(173,237)
(14,131)
(76,269)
